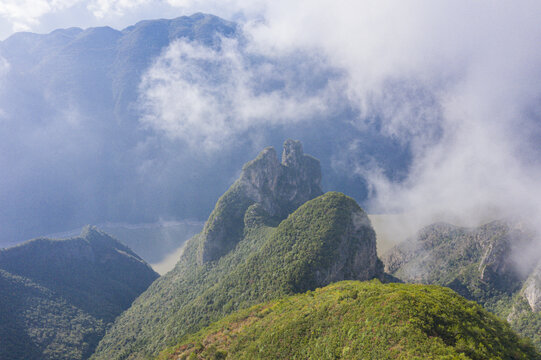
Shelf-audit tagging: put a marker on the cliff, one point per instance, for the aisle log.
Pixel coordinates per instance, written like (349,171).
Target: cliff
(279,189)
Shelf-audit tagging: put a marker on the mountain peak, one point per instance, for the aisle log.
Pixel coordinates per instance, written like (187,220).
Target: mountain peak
(89,231)
(292,154)
(279,189)
(327,239)
(282,187)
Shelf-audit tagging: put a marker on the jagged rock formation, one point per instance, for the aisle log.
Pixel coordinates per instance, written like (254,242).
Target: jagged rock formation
(282,187)
(532,289)
(253,248)
(279,188)
(60,295)
(525,314)
(492,264)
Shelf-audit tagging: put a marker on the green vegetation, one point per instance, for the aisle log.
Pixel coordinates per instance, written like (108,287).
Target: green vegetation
(525,321)
(224,228)
(354,320)
(478,263)
(57,297)
(319,243)
(252,250)
(36,323)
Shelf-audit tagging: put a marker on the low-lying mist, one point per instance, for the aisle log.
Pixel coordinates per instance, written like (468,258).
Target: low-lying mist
(456,81)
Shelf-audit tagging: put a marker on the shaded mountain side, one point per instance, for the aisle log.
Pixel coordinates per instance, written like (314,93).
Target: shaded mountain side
(37,323)
(260,257)
(58,296)
(354,320)
(489,264)
(81,88)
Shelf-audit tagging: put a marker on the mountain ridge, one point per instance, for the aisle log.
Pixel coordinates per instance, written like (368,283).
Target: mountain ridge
(354,320)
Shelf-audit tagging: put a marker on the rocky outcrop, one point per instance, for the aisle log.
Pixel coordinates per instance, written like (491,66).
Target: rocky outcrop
(532,289)
(282,187)
(278,187)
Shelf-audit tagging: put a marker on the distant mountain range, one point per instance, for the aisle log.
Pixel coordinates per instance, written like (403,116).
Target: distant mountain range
(75,152)
(57,297)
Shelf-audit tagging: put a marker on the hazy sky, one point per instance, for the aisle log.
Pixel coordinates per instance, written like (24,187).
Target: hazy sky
(458,80)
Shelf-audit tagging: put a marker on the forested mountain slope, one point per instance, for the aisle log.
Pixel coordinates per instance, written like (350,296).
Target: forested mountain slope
(252,249)
(354,320)
(493,264)
(57,297)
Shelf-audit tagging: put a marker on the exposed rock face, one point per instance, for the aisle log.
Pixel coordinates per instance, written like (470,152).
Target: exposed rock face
(504,264)
(282,187)
(442,253)
(532,289)
(279,189)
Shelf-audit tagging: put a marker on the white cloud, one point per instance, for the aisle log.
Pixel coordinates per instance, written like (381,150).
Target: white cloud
(208,97)
(4,66)
(458,80)
(24,14)
(109,8)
